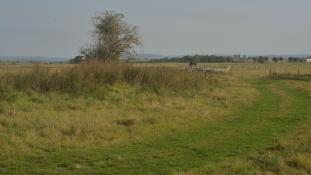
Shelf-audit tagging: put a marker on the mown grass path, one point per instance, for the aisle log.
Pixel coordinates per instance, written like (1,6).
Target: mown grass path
(278,111)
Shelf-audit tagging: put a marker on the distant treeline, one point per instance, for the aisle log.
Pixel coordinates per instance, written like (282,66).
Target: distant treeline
(224,59)
(198,59)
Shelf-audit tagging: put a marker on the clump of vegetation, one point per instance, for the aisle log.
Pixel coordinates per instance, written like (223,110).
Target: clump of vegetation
(126,122)
(93,76)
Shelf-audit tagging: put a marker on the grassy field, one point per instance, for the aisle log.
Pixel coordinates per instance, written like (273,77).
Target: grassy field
(154,119)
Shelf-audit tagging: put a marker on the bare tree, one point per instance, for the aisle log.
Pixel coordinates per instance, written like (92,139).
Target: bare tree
(113,37)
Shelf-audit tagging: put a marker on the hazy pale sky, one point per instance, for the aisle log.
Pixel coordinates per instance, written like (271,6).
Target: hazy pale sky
(168,27)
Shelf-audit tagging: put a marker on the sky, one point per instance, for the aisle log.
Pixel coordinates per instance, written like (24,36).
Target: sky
(59,28)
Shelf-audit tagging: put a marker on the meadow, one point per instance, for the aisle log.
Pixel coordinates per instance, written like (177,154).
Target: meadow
(97,118)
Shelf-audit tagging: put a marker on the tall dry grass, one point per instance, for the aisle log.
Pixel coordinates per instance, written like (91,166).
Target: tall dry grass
(90,77)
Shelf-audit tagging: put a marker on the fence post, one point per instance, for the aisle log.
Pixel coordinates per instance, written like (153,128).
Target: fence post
(270,72)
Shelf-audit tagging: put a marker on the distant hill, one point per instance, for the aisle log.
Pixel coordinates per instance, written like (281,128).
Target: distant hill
(33,59)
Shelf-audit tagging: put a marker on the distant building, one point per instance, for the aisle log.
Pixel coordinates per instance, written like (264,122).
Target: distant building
(309,60)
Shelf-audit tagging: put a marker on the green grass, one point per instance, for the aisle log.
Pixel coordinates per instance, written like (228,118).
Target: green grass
(278,111)
(231,125)
(289,154)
